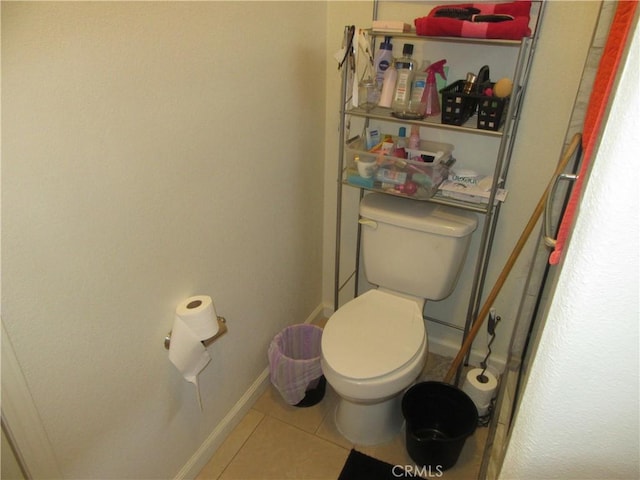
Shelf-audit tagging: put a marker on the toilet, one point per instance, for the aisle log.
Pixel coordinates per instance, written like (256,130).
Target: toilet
(375,346)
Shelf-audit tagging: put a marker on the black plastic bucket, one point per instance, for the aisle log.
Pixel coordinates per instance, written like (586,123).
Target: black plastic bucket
(439,418)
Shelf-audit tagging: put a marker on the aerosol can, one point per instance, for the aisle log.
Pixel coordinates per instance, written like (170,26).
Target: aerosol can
(430,96)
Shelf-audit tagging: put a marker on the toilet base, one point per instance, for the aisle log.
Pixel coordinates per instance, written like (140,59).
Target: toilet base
(369,423)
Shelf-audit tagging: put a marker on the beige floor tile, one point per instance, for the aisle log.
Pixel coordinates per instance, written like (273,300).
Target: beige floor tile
(280,451)
(436,368)
(329,431)
(307,419)
(393,452)
(279,441)
(230,447)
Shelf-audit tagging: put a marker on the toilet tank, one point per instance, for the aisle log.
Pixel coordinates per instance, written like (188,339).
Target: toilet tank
(414,247)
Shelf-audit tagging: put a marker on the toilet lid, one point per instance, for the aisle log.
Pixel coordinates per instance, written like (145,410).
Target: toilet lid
(373,335)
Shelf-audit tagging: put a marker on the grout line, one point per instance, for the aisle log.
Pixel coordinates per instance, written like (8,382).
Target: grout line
(253,430)
(324,418)
(315,432)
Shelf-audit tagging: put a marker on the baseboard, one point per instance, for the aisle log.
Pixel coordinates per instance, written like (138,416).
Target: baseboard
(318,313)
(327,310)
(449,349)
(200,458)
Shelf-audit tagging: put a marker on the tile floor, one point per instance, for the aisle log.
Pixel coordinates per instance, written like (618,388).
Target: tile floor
(277,441)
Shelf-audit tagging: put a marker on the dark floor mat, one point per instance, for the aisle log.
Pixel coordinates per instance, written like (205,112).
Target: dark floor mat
(363,467)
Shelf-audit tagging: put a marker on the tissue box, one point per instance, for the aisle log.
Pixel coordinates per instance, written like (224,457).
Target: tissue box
(392,26)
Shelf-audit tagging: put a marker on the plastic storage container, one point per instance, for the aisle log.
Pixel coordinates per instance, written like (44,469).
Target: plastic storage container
(491,112)
(458,107)
(415,177)
(439,417)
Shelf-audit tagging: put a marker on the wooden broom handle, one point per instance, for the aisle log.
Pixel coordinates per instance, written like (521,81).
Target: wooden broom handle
(477,324)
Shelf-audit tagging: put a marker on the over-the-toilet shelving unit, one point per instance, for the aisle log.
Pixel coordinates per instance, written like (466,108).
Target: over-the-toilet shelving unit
(505,137)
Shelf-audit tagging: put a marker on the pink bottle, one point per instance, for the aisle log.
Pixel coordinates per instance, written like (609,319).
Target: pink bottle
(431,97)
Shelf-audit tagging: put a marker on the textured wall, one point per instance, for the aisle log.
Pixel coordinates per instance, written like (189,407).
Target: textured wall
(579,414)
(153,151)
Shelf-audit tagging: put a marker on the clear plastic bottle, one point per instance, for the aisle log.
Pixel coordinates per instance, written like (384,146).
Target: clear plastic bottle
(402,93)
(417,90)
(402,137)
(414,138)
(401,144)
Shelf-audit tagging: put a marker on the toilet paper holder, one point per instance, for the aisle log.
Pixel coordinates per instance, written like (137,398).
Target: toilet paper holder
(222,329)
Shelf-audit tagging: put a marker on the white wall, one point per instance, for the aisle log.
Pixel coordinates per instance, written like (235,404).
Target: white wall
(152,151)
(554,82)
(147,150)
(579,416)
(546,111)
(339,14)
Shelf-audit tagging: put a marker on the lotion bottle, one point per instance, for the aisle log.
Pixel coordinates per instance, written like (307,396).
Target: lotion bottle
(383,60)
(388,86)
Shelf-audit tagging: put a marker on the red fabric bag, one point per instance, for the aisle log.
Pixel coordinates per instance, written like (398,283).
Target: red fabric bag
(514,29)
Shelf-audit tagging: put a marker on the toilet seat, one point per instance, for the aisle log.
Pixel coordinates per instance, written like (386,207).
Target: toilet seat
(373,335)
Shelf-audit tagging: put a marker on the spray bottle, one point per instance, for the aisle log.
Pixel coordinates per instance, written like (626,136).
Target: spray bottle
(430,97)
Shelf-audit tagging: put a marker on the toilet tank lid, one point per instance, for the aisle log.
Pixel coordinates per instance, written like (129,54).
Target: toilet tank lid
(417,215)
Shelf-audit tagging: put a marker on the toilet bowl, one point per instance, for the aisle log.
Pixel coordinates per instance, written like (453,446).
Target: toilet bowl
(373,348)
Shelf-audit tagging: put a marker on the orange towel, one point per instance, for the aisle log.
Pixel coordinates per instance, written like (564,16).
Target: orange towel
(598,103)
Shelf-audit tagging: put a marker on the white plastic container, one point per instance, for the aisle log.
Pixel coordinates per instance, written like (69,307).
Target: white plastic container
(383,60)
(388,87)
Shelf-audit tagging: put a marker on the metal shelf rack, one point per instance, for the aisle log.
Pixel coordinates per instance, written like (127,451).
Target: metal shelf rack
(506,135)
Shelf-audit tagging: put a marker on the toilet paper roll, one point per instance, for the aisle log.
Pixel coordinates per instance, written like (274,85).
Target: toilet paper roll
(200,314)
(481,393)
(195,320)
